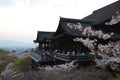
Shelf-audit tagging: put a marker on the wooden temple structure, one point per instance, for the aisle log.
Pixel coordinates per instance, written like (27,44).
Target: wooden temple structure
(42,54)
(44,40)
(67,49)
(103,15)
(59,45)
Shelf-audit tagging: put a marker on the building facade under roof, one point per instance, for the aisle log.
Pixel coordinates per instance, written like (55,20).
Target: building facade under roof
(64,35)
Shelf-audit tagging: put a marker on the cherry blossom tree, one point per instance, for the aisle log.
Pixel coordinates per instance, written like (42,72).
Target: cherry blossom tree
(115,19)
(109,53)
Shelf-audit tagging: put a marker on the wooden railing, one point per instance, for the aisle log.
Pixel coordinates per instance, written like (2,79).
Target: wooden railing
(72,57)
(62,55)
(39,57)
(35,56)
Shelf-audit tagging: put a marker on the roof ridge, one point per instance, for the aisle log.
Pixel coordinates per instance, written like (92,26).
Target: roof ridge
(75,20)
(46,32)
(111,4)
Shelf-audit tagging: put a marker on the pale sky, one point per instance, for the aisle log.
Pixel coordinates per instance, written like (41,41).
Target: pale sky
(21,19)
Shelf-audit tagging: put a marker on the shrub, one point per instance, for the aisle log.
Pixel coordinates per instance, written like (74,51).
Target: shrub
(5,59)
(23,64)
(118,76)
(2,66)
(88,73)
(4,51)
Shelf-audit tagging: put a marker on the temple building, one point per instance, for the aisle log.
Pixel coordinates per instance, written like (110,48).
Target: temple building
(44,40)
(64,43)
(61,44)
(64,35)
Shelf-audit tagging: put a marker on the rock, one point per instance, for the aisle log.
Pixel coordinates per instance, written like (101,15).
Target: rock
(9,73)
(115,67)
(8,70)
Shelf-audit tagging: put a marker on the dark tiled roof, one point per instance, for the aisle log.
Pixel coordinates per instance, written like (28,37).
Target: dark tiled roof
(108,29)
(104,13)
(76,20)
(63,28)
(41,36)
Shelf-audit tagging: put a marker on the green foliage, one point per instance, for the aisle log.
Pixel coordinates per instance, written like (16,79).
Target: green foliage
(118,76)
(5,59)
(4,51)
(23,64)
(5,62)
(2,66)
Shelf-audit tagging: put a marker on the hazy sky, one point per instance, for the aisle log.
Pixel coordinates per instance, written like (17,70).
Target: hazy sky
(21,19)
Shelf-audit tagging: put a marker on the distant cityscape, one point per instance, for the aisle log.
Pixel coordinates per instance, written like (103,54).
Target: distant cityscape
(16,46)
